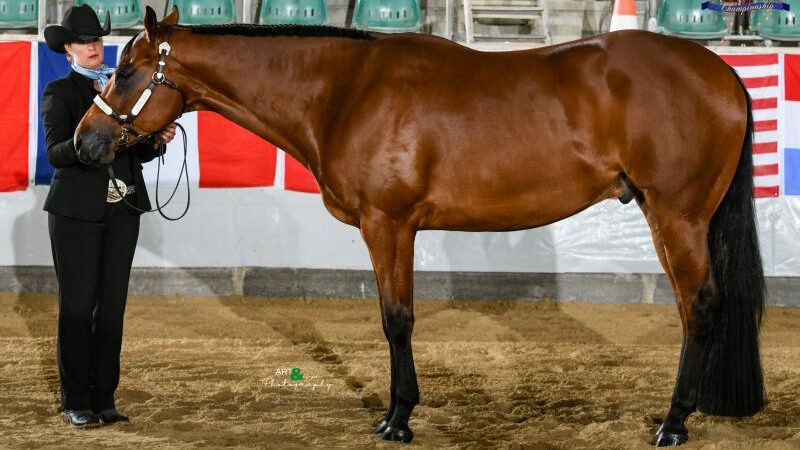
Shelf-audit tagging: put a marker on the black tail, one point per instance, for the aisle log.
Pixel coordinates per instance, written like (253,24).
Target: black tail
(732,383)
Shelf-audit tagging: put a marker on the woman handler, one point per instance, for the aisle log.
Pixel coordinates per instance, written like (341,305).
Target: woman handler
(93,234)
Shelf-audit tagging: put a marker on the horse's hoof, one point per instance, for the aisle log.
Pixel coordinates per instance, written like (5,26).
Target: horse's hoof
(381,427)
(397,434)
(668,439)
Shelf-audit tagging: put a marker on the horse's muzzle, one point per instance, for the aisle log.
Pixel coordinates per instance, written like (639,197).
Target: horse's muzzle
(94,148)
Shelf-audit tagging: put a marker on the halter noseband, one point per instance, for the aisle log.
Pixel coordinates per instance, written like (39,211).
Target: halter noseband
(126,120)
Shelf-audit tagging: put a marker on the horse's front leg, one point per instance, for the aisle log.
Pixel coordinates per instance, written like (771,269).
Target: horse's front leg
(390,412)
(391,247)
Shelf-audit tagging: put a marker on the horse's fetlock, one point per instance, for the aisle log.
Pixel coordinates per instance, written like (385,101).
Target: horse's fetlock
(411,399)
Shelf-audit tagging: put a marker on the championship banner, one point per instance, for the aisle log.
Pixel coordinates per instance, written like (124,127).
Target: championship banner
(15,66)
(734,7)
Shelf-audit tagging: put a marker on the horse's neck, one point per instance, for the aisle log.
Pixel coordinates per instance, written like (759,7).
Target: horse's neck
(282,89)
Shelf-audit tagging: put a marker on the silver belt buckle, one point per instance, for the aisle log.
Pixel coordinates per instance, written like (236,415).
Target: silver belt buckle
(113,196)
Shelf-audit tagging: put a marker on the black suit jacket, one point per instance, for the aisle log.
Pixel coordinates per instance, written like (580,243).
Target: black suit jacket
(78,190)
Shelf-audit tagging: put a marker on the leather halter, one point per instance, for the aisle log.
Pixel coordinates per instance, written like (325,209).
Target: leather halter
(126,120)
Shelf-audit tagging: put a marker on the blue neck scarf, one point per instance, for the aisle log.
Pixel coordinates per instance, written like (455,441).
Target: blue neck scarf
(101,75)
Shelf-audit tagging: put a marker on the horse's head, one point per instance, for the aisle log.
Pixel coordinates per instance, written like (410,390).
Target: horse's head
(140,99)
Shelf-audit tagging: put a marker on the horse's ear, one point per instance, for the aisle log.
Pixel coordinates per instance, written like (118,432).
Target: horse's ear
(172,17)
(150,24)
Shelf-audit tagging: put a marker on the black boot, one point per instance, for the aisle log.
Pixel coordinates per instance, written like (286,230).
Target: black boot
(111,415)
(81,418)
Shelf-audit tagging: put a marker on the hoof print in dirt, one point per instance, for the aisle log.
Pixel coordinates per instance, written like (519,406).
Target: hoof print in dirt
(397,434)
(667,439)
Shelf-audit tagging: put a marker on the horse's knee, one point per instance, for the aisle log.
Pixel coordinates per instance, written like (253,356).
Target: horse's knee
(398,323)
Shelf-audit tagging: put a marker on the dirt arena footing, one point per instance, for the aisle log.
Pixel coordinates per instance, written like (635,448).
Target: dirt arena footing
(212,372)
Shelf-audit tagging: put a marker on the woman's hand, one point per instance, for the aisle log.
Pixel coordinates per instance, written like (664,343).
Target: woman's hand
(167,134)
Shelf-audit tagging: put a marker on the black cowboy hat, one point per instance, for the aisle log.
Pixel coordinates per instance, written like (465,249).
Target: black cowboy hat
(80,24)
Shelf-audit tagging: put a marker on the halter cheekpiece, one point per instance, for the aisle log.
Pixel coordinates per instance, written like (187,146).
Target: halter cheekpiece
(126,120)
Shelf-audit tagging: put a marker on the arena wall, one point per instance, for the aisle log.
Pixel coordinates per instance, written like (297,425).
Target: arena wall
(271,242)
(275,242)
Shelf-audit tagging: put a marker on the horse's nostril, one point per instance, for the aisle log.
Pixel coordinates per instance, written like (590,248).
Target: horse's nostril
(77,145)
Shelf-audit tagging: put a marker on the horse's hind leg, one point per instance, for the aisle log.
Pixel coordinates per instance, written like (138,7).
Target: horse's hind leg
(685,250)
(658,242)
(391,248)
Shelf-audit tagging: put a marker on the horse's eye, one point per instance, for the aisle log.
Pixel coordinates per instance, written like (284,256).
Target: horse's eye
(124,73)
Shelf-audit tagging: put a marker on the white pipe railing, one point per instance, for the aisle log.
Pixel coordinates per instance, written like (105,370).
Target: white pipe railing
(448,19)
(42,19)
(246,7)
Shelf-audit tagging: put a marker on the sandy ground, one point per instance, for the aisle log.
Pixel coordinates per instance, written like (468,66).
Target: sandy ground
(206,372)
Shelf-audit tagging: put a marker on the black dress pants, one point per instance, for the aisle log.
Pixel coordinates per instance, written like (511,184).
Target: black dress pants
(93,264)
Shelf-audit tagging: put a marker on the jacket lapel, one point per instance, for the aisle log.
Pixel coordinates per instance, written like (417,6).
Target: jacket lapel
(86,87)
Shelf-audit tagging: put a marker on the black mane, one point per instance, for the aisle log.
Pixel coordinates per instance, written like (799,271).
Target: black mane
(246,29)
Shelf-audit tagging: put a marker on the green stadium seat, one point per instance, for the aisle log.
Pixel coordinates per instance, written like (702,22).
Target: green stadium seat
(295,12)
(204,12)
(686,19)
(389,16)
(124,13)
(776,25)
(19,13)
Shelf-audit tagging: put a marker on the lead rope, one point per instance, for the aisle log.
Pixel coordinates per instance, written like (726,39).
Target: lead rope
(159,207)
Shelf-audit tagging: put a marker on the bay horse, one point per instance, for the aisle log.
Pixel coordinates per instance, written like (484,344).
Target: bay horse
(412,132)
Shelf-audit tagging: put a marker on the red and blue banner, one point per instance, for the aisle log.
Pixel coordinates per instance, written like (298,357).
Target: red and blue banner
(298,178)
(223,155)
(53,66)
(15,67)
(230,156)
(791,150)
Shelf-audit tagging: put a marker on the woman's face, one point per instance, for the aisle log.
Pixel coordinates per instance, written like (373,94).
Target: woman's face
(88,54)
